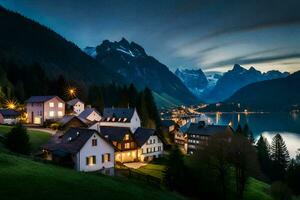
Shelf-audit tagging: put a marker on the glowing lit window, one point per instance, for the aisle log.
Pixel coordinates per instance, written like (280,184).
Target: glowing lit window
(60,105)
(105,157)
(51,114)
(127,137)
(60,113)
(51,104)
(91,160)
(127,145)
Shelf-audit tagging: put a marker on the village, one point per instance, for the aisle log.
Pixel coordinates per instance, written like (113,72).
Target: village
(86,140)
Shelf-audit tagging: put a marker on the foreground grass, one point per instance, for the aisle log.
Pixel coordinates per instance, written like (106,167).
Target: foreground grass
(37,138)
(25,179)
(257,190)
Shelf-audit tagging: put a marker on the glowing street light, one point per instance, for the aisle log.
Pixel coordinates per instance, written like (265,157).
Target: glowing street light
(10,104)
(72,92)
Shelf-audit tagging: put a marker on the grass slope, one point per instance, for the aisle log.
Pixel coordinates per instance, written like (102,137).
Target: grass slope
(257,190)
(37,138)
(24,179)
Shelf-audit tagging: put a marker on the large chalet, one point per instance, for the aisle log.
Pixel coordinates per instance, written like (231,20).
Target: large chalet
(199,133)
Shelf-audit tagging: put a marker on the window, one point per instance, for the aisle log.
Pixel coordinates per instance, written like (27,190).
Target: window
(51,104)
(127,137)
(91,160)
(106,157)
(60,113)
(127,145)
(51,114)
(94,142)
(60,105)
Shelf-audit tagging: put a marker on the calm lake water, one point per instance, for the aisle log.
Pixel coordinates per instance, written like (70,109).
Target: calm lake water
(267,124)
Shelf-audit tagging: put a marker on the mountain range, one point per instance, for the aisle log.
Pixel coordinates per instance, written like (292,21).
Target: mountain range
(25,41)
(130,60)
(195,80)
(271,95)
(223,86)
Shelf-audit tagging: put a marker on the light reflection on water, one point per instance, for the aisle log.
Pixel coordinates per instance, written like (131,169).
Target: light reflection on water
(267,124)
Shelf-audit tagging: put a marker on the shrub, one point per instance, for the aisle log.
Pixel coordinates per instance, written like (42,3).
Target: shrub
(18,140)
(280,191)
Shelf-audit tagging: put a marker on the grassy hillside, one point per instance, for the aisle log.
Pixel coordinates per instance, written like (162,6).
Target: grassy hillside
(37,138)
(25,179)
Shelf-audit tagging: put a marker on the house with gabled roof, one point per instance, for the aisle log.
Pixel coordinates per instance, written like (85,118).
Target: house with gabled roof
(70,121)
(81,148)
(42,108)
(76,105)
(90,114)
(121,117)
(127,149)
(9,116)
(151,146)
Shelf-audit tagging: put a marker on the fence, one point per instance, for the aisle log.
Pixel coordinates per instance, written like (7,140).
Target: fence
(129,173)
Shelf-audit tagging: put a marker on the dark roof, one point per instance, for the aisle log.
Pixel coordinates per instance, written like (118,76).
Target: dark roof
(74,101)
(72,140)
(208,130)
(84,114)
(9,113)
(141,135)
(114,133)
(67,118)
(40,99)
(118,112)
(167,123)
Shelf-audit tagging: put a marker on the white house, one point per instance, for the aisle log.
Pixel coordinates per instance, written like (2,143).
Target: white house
(87,150)
(42,108)
(151,146)
(77,105)
(121,117)
(90,114)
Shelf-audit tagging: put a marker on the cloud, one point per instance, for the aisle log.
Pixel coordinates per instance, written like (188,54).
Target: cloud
(263,59)
(244,28)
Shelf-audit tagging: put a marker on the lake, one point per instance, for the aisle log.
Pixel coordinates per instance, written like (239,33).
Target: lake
(267,124)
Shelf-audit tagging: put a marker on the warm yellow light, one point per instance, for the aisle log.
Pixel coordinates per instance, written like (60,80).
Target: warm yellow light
(71,92)
(10,104)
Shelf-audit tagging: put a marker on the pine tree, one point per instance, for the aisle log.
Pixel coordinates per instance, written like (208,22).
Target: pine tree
(248,133)
(263,155)
(279,157)
(151,106)
(175,172)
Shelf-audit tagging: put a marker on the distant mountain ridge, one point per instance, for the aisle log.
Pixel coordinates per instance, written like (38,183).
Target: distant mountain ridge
(271,95)
(131,61)
(238,77)
(194,80)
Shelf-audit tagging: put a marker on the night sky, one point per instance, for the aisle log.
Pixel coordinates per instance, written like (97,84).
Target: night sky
(209,34)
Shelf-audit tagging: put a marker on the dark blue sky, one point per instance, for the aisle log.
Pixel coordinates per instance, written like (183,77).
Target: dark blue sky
(210,34)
